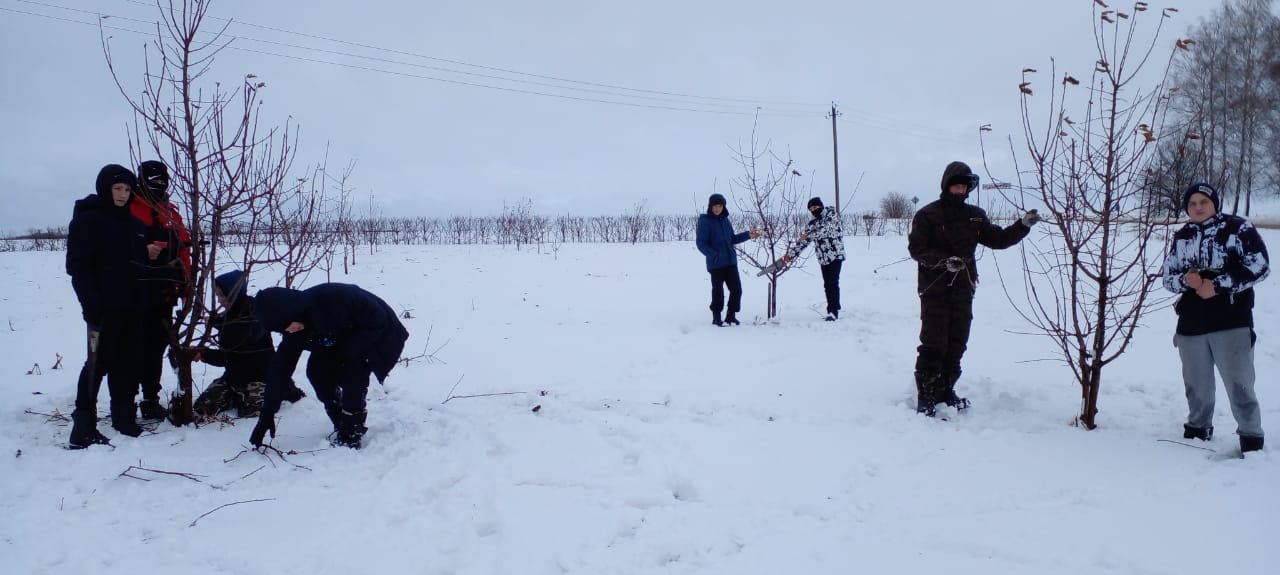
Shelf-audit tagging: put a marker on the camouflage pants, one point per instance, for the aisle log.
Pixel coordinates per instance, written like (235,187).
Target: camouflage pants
(222,396)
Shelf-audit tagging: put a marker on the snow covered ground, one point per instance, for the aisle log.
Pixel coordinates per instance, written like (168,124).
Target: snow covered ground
(659,443)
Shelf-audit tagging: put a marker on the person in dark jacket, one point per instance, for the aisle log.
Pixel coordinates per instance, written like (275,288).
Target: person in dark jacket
(1213,263)
(244,349)
(105,255)
(944,237)
(828,243)
(169,255)
(350,333)
(716,240)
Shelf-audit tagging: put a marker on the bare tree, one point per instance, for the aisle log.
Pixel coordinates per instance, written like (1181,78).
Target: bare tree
(224,164)
(1229,98)
(1089,279)
(896,206)
(772,193)
(636,222)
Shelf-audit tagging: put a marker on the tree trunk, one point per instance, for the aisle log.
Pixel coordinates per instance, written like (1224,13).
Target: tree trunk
(180,403)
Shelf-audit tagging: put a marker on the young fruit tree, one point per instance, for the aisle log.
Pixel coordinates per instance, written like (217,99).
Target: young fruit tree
(770,201)
(227,170)
(1089,277)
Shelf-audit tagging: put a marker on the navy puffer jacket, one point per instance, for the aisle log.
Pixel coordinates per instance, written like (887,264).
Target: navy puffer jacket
(339,318)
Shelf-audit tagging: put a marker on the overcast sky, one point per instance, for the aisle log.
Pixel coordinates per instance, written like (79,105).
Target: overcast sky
(581,106)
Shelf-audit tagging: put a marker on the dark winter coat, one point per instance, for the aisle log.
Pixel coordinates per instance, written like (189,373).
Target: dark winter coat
(1229,252)
(170,270)
(340,319)
(244,347)
(716,239)
(106,251)
(949,227)
(826,234)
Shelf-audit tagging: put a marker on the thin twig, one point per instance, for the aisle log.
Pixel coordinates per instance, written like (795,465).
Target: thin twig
(267,450)
(1188,445)
(455,386)
(55,416)
(486,395)
(192,476)
(206,514)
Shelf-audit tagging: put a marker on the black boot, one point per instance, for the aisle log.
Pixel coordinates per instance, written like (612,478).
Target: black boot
(926,398)
(122,419)
(335,415)
(152,409)
(84,430)
(1250,443)
(715,319)
(946,392)
(1201,433)
(351,430)
(731,318)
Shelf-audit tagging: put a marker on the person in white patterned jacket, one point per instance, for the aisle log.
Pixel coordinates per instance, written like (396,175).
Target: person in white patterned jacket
(1214,261)
(828,244)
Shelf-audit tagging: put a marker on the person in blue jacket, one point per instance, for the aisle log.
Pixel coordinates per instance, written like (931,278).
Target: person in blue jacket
(716,240)
(349,332)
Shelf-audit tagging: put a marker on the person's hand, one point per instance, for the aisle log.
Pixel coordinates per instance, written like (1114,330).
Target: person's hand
(266,422)
(804,236)
(197,353)
(754,233)
(955,264)
(154,249)
(786,260)
(1193,279)
(1206,289)
(1031,218)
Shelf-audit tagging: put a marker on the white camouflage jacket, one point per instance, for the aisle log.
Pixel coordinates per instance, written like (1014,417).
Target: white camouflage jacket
(1229,251)
(827,237)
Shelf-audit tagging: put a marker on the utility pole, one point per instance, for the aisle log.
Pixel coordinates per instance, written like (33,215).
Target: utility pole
(835,154)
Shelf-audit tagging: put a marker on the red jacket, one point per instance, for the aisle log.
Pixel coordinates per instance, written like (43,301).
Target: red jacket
(164,224)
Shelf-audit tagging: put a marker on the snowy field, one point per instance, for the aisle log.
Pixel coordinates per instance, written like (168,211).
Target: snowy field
(635,437)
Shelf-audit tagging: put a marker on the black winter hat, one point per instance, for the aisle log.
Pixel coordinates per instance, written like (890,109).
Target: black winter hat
(815,201)
(715,199)
(112,174)
(1201,188)
(232,285)
(154,176)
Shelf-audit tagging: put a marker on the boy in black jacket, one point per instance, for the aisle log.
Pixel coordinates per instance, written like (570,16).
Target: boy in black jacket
(350,333)
(105,258)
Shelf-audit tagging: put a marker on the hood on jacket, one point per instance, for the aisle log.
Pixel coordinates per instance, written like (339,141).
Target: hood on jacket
(112,174)
(958,173)
(277,307)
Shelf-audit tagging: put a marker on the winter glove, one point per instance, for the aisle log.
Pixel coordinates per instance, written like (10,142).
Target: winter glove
(1030,218)
(955,264)
(266,422)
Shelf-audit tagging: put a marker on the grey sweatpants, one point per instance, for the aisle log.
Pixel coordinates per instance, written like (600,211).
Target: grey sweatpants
(1231,351)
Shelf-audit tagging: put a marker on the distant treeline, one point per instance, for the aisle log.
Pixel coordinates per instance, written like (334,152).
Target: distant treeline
(505,229)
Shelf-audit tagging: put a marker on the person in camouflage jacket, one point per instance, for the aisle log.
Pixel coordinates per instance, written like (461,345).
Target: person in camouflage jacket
(828,244)
(244,350)
(1213,263)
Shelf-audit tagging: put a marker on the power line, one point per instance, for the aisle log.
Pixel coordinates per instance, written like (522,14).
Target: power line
(679,105)
(497,69)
